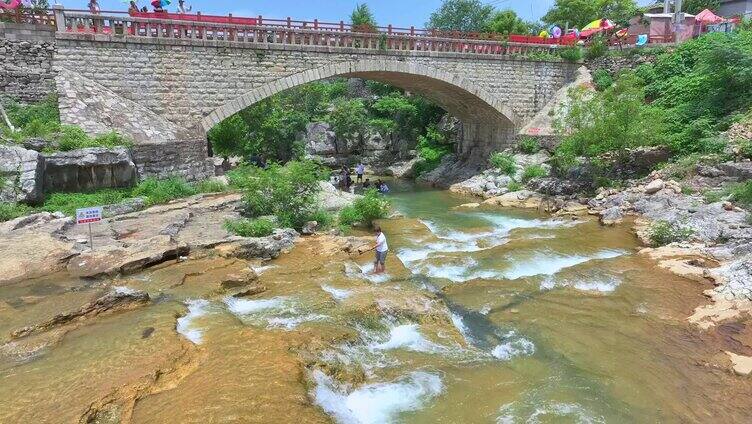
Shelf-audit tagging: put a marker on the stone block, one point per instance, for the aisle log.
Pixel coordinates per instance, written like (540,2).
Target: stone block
(21,175)
(89,169)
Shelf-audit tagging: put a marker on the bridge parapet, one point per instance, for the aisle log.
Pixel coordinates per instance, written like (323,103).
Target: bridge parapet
(261,33)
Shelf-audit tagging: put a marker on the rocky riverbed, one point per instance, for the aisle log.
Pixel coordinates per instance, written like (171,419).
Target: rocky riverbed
(719,249)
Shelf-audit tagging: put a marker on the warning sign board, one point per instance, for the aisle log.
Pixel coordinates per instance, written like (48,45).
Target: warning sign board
(88,215)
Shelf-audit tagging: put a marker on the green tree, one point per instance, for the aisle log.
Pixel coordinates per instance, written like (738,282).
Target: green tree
(610,121)
(229,136)
(362,18)
(578,13)
(696,6)
(507,22)
(348,117)
(461,15)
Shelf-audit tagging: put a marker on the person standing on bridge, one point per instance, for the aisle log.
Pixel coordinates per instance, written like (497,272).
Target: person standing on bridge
(94,7)
(182,8)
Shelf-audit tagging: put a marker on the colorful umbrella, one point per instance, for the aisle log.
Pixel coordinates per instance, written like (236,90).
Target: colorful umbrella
(160,3)
(596,27)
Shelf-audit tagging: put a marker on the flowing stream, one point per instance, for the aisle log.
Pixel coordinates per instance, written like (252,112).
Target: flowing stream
(484,316)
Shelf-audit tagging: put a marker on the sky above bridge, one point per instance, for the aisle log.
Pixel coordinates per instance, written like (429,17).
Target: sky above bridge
(400,13)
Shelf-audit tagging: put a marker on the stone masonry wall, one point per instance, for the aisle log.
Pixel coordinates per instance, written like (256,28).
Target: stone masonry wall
(26,53)
(184,81)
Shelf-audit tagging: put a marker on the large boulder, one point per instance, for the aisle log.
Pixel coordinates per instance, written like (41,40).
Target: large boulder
(21,175)
(320,140)
(332,200)
(739,170)
(89,169)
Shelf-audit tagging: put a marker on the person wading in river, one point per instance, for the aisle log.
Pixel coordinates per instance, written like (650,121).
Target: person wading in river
(379,267)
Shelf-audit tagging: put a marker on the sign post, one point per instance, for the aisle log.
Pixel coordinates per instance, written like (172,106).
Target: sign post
(88,216)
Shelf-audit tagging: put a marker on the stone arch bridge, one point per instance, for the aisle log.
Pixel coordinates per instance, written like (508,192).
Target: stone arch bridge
(166,83)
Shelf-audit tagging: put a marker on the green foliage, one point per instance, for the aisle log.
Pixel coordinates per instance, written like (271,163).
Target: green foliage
(211,186)
(350,216)
(742,194)
(602,79)
(529,145)
(365,210)
(614,120)
(250,227)
(45,111)
(662,233)
(506,22)
(348,117)
(432,147)
(288,191)
(323,218)
(745,149)
(10,211)
(362,18)
(514,186)
(230,134)
(504,162)
(701,86)
(67,203)
(162,191)
(461,15)
(696,6)
(598,47)
(571,54)
(533,171)
(578,13)
(383,125)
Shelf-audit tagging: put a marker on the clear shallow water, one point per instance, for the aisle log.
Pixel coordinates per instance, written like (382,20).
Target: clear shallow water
(484,316)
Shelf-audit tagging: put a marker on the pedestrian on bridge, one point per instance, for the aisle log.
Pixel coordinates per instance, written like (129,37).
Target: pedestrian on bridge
(94,7)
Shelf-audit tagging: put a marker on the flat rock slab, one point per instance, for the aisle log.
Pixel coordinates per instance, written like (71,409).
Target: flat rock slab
(126,260)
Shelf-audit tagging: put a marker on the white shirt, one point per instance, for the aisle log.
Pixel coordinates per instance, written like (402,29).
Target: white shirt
(381,245)
(360,169)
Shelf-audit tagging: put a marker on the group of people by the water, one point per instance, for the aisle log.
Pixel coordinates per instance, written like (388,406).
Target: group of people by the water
(344,180)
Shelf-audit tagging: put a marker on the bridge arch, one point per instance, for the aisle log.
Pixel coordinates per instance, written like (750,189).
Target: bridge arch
(484,114)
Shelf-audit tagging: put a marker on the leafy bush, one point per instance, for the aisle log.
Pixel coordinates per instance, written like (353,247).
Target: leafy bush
(432,147)
(250,227)
(162,191)
(742,194)
(745,149)
(289,191)
(504,162)
(514,186)
(350,216)
(348,117)
(67,203)
(365,210)
(602,79)
(700,86)
(598,47)
(571,54)
(533,171)
(44,112)
(10,211)
(211,186)
(529,145)
(74,138)
(323,218)
(662,233)
(614,120)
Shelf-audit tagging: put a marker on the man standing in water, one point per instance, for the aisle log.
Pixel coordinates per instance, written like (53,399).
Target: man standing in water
(379,267)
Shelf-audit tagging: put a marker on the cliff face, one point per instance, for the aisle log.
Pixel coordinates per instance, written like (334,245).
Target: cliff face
(371,148)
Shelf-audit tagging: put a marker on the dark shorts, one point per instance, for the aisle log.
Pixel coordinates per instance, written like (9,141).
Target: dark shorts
(381,257)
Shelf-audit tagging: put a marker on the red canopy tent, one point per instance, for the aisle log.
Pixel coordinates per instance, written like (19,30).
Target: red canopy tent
(706,17)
